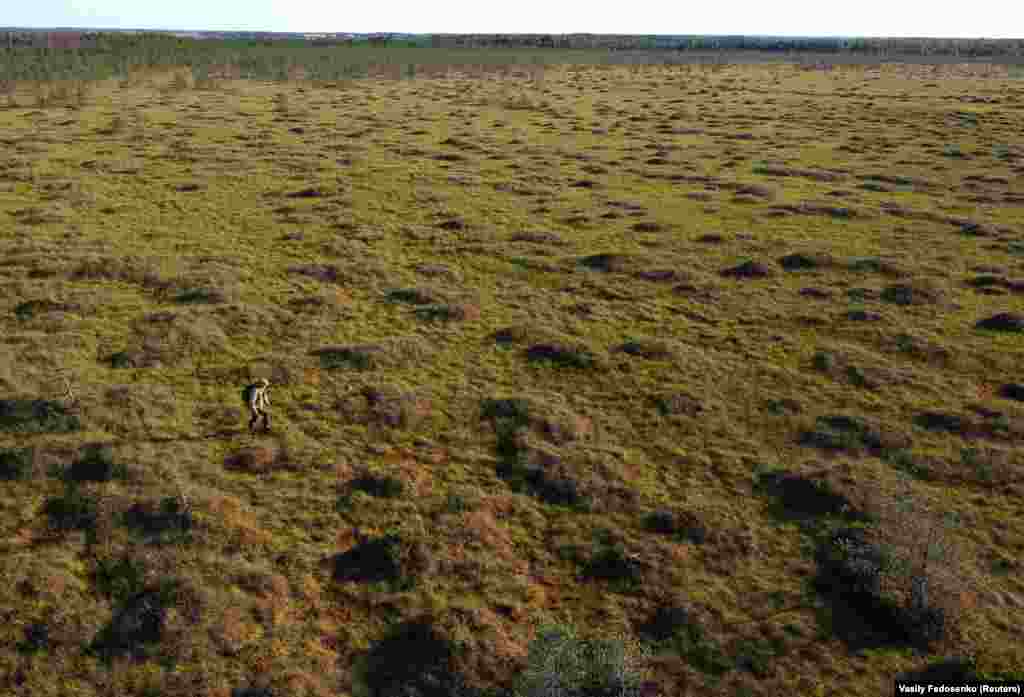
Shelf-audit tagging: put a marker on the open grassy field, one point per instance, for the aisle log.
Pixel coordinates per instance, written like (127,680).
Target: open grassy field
(722,363)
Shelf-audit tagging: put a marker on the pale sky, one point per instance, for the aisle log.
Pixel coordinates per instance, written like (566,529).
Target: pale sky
(895,18)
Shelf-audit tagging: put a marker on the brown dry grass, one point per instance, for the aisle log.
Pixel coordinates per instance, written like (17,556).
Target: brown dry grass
(394,255)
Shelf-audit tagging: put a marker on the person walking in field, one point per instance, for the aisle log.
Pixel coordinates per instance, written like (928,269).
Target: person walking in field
(256,398)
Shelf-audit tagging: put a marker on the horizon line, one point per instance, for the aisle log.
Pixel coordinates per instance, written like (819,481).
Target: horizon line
(499,33)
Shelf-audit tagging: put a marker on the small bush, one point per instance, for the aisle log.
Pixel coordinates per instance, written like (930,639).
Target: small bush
(122,359)
(204,294)
(562,664)
(514,409)
(755,655)
(684,525)
(901,576)
(414,660)
(16,464)
(381,486)
(612,563)
(391,353)
(137,623)
(666,622)
(387,559)
(823,361)
(852,433)
(36,416)
(119,579)
(801,497)
(96,464)
(565,355)
(551,487)
(167,521)
(905,461)
(36,639)
(72,510)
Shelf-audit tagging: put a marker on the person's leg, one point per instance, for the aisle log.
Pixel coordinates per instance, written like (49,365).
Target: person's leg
(266,421)
(252,421)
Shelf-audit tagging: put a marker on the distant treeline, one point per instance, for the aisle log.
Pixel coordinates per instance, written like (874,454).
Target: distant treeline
(68,55)
(865,46)
(968,48)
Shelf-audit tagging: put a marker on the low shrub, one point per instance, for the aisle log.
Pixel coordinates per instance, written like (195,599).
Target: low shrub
(562,664)
(16,464)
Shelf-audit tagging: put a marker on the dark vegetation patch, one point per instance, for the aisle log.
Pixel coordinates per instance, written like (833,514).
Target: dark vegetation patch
(203,294)
(393,352)
(16,464)
(609,262)
(389,559)
(36,638)
(612,563)
(816,293)
(748,269)
(30,309)
(853,434)
(526,467)
(943,421)
(449,312)
(910,294)
(563,354)
(1012,391)
(378,485)
(678,628)
(119,578)
(416,296)
(452,225)
(308,192)
(859,315)
(522,334)
(802,262)
(805,497)
(36,416)
(96,463)
(165,520)
(546,417)
(74,509)
(682,525)
(883,591)
(414,660)
(711,238)
(1002,322)
(139,623)
(647,226)
(915,346)
(864,373)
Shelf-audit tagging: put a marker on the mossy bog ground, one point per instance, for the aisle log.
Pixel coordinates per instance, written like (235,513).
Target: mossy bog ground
(511,322)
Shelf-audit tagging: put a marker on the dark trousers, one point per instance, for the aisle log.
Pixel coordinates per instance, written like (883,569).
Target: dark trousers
(255,417)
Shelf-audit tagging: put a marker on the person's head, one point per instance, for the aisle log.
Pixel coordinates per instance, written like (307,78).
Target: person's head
(263,382)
